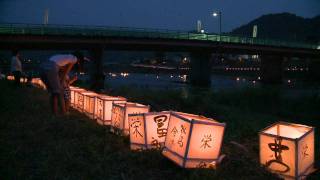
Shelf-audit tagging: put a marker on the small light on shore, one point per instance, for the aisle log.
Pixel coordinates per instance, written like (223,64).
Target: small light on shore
(238,79)
(289,81)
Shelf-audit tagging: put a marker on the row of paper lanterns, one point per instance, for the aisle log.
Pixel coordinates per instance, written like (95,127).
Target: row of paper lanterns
(35,81)
(194,141)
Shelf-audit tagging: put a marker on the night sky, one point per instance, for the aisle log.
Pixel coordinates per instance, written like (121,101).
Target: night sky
(164,14)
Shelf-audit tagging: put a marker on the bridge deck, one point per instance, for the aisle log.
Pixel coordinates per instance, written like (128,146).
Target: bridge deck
(102,31)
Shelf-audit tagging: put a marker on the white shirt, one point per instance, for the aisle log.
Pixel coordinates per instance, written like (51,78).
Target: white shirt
(15,64)
(63,59)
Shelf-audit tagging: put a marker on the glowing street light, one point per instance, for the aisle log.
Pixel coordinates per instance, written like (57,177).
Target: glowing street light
(216,14)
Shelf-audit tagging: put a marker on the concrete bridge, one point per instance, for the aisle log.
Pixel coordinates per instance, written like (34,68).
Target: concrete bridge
(200,46)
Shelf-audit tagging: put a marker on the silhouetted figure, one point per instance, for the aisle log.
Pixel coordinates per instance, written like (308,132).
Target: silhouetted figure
(49,73)
(16,67)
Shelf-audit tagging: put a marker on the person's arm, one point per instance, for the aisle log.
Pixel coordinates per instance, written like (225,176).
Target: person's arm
(73,79)
(66,71)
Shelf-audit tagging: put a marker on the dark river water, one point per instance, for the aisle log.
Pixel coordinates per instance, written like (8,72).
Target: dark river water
(218,82)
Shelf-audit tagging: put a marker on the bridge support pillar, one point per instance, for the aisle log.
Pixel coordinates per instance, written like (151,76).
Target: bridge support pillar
(96,73)
(200,72)
(271,69)
(314,69)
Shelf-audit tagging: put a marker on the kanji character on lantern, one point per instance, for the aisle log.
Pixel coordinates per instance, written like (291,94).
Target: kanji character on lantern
(120,113)
(103,110)
(148,130)
(287,149)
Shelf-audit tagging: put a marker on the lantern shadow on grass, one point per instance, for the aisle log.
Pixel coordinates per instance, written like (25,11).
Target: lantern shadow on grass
(35,145)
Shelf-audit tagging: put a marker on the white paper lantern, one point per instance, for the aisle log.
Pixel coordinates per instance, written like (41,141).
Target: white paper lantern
(89,103)
(79,99)
(148,130)
(103,108)
(74,100)
(193,141)
(120,112)
(287,149)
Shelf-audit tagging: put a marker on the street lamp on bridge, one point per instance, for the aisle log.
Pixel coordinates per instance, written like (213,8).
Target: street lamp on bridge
(216,14)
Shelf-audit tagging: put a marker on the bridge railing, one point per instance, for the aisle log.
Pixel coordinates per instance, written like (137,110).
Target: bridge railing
(105,31)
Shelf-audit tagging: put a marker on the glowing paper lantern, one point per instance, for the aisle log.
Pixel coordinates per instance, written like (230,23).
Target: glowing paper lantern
(120,112)
(38,82)
(73,91)
(78,98)
(11,78)
(193,141)
(89,103)
(287,149)
(22,79)
(103,108)
(148,130)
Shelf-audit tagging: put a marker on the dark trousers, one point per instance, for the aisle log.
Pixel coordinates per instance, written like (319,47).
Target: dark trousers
(17,76)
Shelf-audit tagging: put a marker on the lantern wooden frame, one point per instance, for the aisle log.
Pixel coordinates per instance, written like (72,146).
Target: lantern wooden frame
(146,140)
(120,121)
(184,160)
(103,110)
(298,171)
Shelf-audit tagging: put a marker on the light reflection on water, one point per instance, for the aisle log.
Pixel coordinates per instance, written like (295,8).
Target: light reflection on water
(173,81)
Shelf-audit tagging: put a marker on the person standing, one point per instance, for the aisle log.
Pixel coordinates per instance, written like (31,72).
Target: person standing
(49,74)
(16,67)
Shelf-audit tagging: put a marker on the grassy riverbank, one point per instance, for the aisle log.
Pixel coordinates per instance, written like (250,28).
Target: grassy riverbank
(36,145)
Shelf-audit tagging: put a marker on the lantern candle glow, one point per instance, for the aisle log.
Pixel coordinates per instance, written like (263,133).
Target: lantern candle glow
(103,108)
(148,130)
(89,103)
(287,149)
(193,141)
(120,112)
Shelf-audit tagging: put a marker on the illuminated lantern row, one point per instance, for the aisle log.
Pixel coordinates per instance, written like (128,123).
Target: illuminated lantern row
(103,108)
(148,130)
(193,141)
(35,81)
(287,149)
(120,112)
(22,79)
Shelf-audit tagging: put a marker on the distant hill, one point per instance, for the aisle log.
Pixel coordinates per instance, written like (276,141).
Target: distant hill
(283,26)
